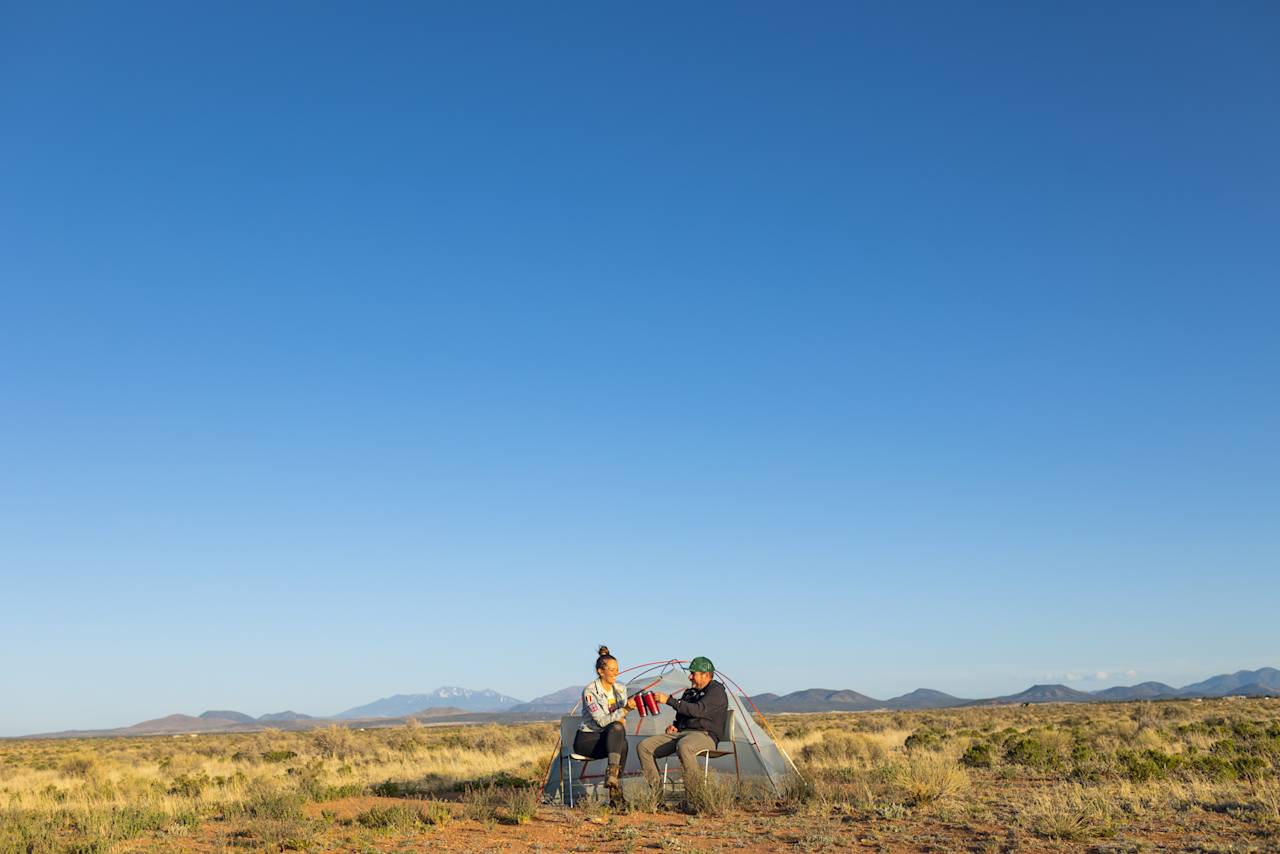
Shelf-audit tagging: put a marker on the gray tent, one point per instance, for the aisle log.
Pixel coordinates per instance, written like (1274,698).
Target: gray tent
(750,753)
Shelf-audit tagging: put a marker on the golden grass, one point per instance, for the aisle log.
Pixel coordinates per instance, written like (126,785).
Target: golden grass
(1063,774)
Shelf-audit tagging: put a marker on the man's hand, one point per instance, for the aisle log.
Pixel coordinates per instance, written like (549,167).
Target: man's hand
(660,697)
(671,730)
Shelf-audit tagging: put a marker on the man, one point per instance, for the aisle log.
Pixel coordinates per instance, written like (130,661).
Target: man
(701,713)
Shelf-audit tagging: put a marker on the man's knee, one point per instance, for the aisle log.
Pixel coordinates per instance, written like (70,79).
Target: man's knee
(691,745)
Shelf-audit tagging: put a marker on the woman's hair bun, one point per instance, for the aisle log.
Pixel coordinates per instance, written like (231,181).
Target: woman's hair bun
(604,650)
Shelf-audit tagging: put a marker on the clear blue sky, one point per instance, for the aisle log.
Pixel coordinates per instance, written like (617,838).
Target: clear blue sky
(355,349)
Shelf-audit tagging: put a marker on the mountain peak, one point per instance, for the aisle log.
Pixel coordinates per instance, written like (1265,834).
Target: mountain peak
(401,705)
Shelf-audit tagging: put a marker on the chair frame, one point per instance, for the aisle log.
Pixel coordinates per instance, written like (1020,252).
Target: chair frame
(715,752)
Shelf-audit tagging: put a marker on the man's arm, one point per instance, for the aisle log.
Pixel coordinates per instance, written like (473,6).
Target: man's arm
(714,702)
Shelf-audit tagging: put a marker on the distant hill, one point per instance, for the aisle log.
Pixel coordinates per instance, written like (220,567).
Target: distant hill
(1141,691)
(816,700)
(400,705)
(238,717)
(176,724)
(462,705)
(1253,689)
(1231,683)
(1040,694)
(287,716)
(557,702)
(925,698)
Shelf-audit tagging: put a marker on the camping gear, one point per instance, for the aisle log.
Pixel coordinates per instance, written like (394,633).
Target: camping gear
(641,706)
(748,751)
(651,702)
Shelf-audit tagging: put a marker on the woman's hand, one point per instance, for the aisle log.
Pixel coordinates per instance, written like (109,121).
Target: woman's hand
(631,705)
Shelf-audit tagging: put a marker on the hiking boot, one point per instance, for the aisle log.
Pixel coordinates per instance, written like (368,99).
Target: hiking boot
(613,786)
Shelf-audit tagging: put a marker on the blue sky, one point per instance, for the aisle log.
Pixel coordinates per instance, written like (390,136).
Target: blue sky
(352,350)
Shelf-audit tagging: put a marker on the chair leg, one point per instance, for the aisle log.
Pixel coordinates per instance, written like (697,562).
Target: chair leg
(706,766)
(567,777)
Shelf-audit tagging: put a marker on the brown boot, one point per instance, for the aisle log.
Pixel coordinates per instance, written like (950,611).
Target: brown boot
(611,783)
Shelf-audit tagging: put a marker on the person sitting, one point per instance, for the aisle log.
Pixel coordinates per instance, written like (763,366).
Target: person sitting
(602,732)
(701,714)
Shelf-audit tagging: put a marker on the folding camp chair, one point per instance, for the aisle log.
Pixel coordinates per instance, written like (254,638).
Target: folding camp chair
(568,757)
(716,753)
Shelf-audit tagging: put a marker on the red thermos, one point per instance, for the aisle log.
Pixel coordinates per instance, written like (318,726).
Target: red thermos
(651,702)
(640,707)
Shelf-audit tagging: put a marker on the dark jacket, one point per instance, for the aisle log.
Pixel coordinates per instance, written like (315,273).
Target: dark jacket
(704,710)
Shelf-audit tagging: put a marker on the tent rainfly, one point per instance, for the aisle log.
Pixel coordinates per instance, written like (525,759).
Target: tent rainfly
(758,756)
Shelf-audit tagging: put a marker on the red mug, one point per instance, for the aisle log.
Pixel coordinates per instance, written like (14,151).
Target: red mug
(640,706)
(651,702)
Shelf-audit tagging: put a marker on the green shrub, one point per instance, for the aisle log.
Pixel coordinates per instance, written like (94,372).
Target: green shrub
(520,803)
(276,755)
(1141,766)
(478,803)
(923,739)
(1029,752)
(435,813)
(1250,767)
(393,817)
(978,755)
(1214,767)
(266,802)
(190,785)
(713,796)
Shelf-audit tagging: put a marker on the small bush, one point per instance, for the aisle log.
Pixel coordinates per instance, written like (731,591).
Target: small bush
(1141,766)
(478,803)
(276,755)
(923,739)
(520,803)
(1069,813)
(435,813)
(266,802)
(78,766)
(393,817)
(189,785)
(642,797)
(334,741)
(1029,752)
(926,778)
(978,755)
(713,796)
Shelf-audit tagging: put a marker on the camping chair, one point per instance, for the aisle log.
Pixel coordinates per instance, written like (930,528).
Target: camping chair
(716,752)
(567,758)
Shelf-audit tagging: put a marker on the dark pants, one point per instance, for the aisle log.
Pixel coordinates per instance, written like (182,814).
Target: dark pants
(598,745)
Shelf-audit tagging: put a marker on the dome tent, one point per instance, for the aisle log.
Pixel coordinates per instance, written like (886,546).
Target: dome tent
(758,756)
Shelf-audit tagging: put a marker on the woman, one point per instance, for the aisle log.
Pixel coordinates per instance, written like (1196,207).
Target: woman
(602,732)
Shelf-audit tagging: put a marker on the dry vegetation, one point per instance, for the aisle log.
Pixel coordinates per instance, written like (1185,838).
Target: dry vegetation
(1182,776)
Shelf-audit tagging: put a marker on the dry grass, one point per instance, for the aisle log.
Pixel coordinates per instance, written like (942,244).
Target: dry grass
(1047,776)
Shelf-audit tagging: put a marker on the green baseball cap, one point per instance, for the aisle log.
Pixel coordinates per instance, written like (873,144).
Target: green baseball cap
(701,664)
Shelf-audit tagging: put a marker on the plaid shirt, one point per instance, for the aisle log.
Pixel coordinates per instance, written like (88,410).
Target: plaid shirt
(601,707)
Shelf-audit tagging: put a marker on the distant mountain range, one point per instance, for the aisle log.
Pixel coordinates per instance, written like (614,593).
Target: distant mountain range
(457,698)
(463,705)
(1251,683)
(557,702)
